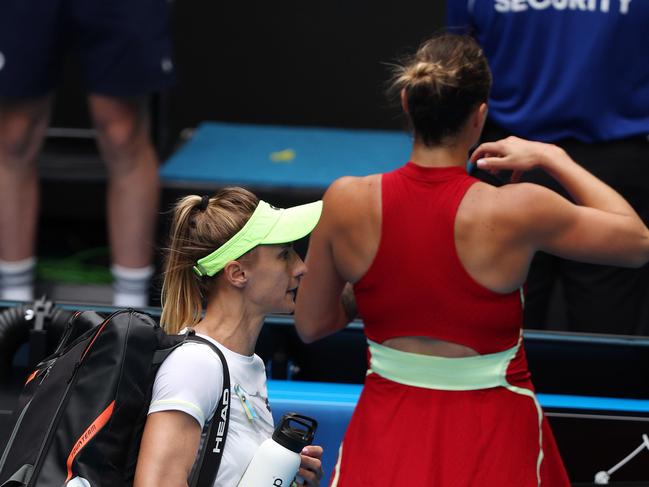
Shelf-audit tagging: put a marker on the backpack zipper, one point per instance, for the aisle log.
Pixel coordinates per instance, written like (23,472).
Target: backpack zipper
(13,435)
(41,372)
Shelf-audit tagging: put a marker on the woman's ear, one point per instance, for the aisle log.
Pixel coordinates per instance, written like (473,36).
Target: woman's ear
(481,115)
(235,274)
(404,100)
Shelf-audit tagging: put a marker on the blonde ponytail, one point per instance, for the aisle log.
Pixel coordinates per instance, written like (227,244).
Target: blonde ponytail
(199,226)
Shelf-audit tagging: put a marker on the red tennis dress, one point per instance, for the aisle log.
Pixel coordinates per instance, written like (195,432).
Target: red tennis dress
(402,435)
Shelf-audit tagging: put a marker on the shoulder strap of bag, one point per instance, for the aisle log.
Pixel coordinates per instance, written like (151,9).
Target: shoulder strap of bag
(209,457)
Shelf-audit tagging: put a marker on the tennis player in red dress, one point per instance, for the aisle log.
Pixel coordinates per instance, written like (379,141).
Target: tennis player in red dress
(438,260)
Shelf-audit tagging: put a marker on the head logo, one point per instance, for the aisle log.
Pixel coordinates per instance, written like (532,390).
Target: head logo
(225,402)
(278,482)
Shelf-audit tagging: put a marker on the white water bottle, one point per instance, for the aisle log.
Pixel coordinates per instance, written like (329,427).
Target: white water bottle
(277,460)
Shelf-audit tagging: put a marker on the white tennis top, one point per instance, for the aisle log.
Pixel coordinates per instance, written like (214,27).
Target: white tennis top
(191,380)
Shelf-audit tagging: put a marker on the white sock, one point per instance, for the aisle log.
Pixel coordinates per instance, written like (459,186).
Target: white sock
(131,286)
(17,279)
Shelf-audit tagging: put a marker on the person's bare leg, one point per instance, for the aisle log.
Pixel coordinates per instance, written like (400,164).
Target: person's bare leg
(22,129)
(133,191)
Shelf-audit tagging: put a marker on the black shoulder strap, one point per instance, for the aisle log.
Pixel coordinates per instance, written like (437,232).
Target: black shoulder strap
(209,457)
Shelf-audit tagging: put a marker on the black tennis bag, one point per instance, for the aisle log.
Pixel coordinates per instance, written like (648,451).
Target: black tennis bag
(82,411)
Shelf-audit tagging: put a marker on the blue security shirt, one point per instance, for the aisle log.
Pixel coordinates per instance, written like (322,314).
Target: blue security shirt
(563,68)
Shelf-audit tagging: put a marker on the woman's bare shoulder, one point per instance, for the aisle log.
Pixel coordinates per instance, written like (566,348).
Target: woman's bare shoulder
(352,193)
(514,208)
(349,185)
(510,199)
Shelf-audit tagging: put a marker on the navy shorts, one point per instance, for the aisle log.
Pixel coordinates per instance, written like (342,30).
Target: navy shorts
(124,46)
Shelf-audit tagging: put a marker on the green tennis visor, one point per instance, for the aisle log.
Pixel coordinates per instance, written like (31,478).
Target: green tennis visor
(267,225)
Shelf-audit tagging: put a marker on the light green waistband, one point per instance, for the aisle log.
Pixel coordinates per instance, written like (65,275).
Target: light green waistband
(450,374)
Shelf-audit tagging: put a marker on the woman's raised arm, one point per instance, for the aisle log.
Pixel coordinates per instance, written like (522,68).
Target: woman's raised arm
(601,227)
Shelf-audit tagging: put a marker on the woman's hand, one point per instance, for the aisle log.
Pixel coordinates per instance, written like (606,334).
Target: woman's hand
(515,154)
(310,471)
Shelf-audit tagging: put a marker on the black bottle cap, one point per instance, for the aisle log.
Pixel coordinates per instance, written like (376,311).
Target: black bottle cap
(295,431)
